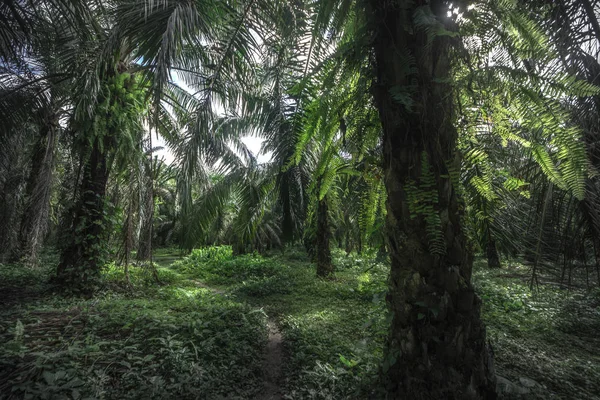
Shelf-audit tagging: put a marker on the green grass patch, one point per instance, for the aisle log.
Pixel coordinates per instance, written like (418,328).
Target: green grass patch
(201,333)
(333,330)
(551,334)
(155,342)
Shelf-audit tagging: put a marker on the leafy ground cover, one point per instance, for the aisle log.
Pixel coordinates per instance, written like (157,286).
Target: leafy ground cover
(550,334)
(333,331)
(203,332)
(155,342)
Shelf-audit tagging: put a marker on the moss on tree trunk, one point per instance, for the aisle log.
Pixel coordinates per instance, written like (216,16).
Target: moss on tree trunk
(82,255)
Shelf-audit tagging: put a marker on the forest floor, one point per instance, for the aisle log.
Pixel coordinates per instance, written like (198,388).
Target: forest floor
(251,327)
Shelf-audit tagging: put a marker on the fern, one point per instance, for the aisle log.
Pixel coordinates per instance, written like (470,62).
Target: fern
(422,198)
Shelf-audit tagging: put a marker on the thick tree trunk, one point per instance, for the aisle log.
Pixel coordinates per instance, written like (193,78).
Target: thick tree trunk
(359,243)
(309,243)
(285,185)
(437,344)
(590,207)
(144,251)
(238,248)
(493,259)
(324,265)
(34,221)
(82,257)
(348,243)
(128,233)
(12,175)
(147,210)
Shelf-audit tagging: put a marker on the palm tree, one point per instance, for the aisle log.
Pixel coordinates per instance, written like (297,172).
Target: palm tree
(12,175)
(132,55)
(34,218)
(574,28)
(437,343)
(33,94)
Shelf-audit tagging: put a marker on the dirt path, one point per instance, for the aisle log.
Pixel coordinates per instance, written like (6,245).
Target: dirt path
(273,364)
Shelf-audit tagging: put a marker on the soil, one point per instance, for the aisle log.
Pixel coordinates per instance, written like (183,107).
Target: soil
(272,364)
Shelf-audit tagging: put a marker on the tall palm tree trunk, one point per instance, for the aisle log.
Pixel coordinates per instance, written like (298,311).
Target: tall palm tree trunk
(437,343)
(493,258)
(12,174)
(34,221)
(81,258)
(144,251)
(591,203)
(324,265)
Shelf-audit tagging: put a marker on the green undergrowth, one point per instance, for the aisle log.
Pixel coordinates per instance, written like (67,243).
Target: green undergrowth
(201,332)
(333,330)
(550,334)
(176,341)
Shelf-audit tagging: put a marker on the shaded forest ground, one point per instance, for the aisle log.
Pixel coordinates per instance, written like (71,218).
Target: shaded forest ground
(204,332)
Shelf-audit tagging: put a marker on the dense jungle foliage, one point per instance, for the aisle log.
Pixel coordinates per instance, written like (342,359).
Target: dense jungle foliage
(299,199)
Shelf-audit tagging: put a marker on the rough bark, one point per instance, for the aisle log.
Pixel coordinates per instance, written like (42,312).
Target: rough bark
(285,185)
(324,265)
(493,259)
(310,244)
(147,206)
(437,344)
(34,221)
(81,258)
(238,248)
(348,243)
(144,251)
(12,175)
(590,206)
(128,235)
